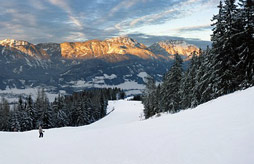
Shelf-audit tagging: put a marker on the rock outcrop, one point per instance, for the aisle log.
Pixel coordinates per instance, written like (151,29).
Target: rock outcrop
(167,49)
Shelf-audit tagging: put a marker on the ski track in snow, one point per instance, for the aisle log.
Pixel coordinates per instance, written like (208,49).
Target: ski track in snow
(218,132)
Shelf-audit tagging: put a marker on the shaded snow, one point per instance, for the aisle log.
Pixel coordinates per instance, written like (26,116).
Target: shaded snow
(130,87)
(218,132)
(12,94)
(143,75)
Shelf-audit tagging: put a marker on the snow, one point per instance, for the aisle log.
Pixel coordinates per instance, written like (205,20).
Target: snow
(218,132)
(129,86)
(3,50)
(142,75)
(113,76)
(12,94)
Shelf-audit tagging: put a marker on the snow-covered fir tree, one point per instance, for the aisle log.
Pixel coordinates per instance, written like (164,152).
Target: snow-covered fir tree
(245,47)
(149,97)
(171,99)
(4,114)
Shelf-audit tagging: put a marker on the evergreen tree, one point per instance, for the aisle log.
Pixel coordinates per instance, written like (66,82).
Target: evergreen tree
(171,98)
(157,100)
(188,83)
(4,115)
(204,84)
(225,57)
(149,97)
(48,117)
(31,112)
(25,121)
(103,106)
(60,117)
(43,110)
(245,48)
(14,121)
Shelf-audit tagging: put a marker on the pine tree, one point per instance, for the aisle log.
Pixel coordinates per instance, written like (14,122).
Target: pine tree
(245,48)
(196,90)
(157,100)
(103,106)
(60,117)
(4,115)
(31,112)
(188,83)
(25,120)
(43,110)
(48,117)
(14,120)
(171,97)
(223,49)
(149,96)
(204,84)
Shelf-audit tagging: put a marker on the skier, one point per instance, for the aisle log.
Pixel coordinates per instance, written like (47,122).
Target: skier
(40,132)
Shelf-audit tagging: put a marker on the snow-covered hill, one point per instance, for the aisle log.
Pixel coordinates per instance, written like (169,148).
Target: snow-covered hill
(218,132)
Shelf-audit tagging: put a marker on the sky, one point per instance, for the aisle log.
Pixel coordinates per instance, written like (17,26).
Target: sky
(58,21)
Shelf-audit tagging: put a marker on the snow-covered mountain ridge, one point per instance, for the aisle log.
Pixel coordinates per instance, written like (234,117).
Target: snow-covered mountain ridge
(13,42)
(74,66)
(167,48)
(21,46)
(219,131)
(114,49)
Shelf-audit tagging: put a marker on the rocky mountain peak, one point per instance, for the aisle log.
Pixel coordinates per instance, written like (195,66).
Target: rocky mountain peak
(126,41)
(21,47)
(173,42)
(13,42)
(113,50)
(170,47)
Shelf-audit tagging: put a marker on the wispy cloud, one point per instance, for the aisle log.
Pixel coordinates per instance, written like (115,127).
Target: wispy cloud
(126,4)
(37,4)
(193,28)
(75,36)
(152,18)
(18,17)
(173,11)
(63,4)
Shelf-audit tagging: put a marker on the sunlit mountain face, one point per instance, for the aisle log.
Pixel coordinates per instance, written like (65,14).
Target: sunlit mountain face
(119,61)
(118,47)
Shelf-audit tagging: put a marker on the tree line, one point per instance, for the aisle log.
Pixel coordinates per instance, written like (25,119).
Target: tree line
(80,108)
(226,67)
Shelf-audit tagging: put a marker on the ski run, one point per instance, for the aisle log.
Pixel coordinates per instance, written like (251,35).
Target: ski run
(217,132)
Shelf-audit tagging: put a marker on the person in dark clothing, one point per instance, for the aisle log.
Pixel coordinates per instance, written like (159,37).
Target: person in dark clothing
(40,132)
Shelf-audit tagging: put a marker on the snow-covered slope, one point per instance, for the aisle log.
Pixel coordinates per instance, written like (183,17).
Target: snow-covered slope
(218,132)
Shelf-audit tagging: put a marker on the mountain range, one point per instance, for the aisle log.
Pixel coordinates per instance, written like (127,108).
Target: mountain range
(71,66)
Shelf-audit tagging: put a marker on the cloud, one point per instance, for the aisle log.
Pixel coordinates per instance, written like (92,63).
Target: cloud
(194,28)
(63,4)
(19,17)
(37,4)
(153,17)
(126,4)
(172,12)
(75,36)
